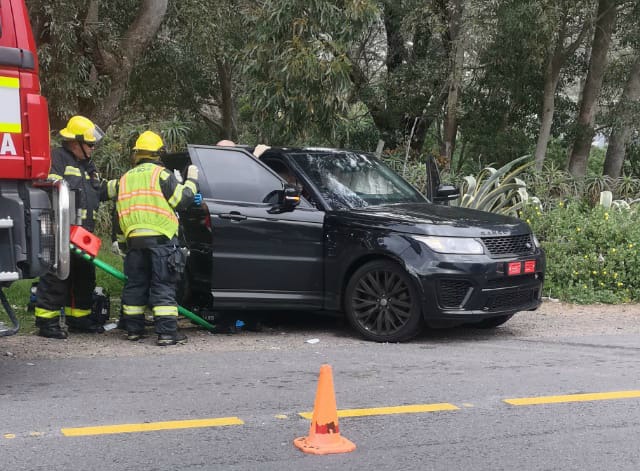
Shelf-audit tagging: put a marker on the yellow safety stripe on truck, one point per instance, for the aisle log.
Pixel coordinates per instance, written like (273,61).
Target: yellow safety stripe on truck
(10,109)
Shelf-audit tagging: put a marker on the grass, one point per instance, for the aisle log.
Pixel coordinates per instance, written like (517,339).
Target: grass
(19,292)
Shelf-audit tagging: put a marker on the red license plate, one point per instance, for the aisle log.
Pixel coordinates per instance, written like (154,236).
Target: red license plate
(530,266)
(514,268)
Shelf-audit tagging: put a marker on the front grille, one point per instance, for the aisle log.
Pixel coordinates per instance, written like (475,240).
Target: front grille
(510,299)
(510,245)
(451,293)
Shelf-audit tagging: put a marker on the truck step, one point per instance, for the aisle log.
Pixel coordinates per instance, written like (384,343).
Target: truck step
(9,276)
(6,223)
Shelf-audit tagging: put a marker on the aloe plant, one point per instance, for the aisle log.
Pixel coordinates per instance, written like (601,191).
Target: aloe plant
(497,190)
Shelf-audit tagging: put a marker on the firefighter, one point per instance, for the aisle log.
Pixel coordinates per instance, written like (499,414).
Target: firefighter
(147,197)
(72,162)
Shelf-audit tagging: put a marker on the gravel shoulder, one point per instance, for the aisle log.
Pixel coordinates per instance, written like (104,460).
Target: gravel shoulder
(552,319)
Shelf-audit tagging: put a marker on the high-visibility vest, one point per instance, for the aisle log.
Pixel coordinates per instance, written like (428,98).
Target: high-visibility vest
(141,204)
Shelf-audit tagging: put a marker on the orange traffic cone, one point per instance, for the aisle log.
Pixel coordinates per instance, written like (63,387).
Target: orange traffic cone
(324,434)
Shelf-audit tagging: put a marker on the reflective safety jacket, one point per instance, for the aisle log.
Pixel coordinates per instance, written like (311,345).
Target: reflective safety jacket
(147,197)
(81,175)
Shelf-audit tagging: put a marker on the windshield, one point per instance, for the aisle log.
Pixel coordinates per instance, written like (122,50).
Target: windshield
(349,180)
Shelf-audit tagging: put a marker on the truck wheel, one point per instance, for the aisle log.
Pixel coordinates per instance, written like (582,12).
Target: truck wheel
(382,303)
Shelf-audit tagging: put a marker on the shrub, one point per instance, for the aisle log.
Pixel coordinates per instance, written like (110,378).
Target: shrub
(592,253)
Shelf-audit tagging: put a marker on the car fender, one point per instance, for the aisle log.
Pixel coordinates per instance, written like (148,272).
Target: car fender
(349,250)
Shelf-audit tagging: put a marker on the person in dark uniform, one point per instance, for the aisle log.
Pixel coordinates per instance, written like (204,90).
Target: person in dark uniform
(72,162)
(147,197)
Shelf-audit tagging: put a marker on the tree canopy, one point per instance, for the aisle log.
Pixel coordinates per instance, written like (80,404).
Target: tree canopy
(474,82)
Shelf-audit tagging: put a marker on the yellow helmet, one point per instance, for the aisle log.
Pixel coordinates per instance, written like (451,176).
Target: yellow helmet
(150,142)
(82,129)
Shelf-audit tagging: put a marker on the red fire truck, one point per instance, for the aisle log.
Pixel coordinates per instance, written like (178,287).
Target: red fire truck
(34,212)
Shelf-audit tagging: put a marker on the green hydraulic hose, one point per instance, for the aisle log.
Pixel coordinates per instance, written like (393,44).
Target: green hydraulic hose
(121,276)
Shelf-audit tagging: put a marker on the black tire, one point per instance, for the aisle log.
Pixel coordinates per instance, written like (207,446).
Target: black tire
(492,322)
(382,303)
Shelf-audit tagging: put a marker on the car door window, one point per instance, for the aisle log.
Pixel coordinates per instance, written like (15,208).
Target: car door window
(234,175)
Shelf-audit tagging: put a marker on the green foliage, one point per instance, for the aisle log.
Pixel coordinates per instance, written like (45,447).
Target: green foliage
(592,253)
(553,183)
(299,65)
(506,90)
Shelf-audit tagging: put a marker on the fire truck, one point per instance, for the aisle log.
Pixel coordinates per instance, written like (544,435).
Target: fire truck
(34,212)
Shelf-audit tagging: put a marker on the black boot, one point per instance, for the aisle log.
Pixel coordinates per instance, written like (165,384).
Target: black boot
(171,339)
(50,328)
(84,324)
(134,336)
(134,325)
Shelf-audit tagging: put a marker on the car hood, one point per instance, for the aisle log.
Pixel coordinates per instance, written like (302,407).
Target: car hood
(434,219)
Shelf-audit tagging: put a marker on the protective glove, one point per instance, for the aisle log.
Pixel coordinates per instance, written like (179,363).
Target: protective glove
(178,175)
(197,199)
(115,248)
(192,172)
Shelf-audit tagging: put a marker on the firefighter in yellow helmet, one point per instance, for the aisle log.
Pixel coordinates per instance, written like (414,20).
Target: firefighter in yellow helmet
(72,162)
(147,197)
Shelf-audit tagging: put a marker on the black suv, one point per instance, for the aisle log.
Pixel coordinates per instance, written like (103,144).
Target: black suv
(333,230)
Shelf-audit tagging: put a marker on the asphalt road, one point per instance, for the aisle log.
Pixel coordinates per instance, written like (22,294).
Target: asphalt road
(472,400)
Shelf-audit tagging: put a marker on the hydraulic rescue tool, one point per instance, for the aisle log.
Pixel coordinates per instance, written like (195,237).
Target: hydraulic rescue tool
(86,245)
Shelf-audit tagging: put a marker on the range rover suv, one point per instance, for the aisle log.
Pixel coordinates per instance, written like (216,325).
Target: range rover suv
(333,230)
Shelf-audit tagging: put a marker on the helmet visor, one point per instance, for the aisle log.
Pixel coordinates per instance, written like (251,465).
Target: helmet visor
(98,133)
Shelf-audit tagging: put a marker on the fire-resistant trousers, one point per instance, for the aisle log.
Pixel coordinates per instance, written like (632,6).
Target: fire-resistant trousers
(150,282)
(75,295)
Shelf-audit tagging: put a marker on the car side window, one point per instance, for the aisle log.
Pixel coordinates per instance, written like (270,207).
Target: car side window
(234,175)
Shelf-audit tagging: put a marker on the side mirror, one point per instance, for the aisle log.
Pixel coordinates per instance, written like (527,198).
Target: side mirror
(287,199)
(446,193)
(290,198)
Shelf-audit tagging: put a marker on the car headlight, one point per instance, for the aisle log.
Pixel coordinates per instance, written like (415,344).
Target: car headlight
(454,245)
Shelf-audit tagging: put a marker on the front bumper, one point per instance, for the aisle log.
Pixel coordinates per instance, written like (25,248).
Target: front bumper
(475,290)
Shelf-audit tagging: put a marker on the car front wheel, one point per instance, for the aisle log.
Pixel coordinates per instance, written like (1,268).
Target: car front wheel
(382,303)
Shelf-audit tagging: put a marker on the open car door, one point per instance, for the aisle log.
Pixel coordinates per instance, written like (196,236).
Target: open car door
(255,254)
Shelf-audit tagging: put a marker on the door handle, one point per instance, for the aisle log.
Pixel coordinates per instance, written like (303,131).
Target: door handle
(233,215)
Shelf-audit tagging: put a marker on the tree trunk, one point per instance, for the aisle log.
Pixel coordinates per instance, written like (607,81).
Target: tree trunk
(582,145)
(555,62)
(551,78)
(133,44)
(621,131)
(456,61)
(227,108)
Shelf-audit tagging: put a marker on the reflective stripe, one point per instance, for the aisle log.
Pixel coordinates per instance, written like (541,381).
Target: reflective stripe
(10,127)
(165,311)
(133,194)
(70,170)
(143,233)
(132,310)
(9,82)
(75,312)
(83,213)
(176,196)
(10,119)
(112,188)
(151,209)
(192,186)
(46,313)
(54,176)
